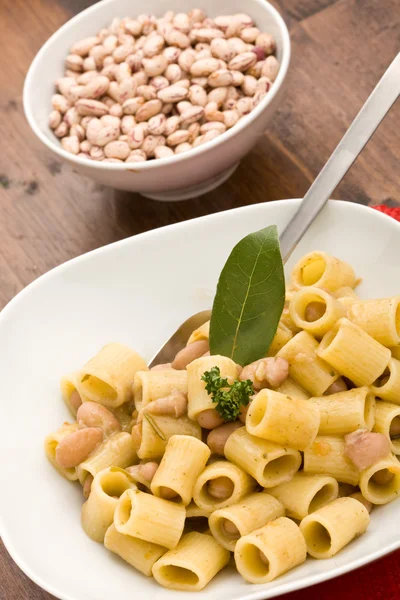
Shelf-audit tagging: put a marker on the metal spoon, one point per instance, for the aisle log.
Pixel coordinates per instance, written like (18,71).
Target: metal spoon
(361,130)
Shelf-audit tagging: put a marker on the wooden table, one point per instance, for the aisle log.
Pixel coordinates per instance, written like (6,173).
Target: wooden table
(49,214)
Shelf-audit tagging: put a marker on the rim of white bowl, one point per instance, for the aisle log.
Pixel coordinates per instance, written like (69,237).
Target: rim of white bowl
(152,164)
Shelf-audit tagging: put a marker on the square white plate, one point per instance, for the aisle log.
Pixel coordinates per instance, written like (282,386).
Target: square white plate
(137,292)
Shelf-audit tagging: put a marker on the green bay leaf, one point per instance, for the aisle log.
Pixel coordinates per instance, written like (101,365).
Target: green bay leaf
(249,299)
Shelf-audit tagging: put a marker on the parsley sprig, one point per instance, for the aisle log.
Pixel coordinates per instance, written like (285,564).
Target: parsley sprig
(229,398)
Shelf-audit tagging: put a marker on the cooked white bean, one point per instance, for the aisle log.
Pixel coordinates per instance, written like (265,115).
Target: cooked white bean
(209,419)
(77,446)
(218,437)
(92,414)
(220,488)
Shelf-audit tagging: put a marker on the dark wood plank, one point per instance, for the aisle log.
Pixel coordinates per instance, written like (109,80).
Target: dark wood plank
(49,214)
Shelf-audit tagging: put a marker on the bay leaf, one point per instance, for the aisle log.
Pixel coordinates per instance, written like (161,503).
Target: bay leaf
(250,298)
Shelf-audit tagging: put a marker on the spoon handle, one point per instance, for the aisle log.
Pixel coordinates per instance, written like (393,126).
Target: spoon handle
(370,116)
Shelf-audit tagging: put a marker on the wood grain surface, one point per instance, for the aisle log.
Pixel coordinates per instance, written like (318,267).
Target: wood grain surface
(49,213)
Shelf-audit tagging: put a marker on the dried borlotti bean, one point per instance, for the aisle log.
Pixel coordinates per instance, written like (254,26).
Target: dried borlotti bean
(148,88)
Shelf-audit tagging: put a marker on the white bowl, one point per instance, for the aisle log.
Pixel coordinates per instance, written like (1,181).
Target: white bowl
(181,176)
(137,292)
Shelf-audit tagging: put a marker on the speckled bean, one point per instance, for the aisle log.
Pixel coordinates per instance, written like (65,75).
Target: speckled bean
(178,137)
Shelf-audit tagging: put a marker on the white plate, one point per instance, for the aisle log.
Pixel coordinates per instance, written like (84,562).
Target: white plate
(137,292)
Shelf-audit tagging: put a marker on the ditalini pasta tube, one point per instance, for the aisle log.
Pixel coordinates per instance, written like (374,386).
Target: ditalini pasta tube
(282,336)
(379,318)
(151,385)
(157,430)
(98,510)
(324,271)
(222,484)
(108,377)
(71,396)
(283,420)
(116,450)
(138,553)
(380,483)
(354,353)
(229,524)
(150,518)
(199,400)
(50,446)
(305,367)
(387,421)
(290,388)
(345,412)
(304,494)
(184,459)
(387,387)
(267,462)
(266,553)
(329,529)
(315,310)
(201,333)
(326,457)
(192,564)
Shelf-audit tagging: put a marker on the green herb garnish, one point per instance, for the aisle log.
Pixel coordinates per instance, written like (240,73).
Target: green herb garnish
(250,298)
(229,398)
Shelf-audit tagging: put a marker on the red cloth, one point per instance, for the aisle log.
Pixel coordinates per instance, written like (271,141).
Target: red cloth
(377,581)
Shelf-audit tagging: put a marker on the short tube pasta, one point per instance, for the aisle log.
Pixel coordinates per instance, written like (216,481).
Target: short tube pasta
(305,367)
(116,450)
(329,529)
(157,430)
(387,487)
(290,388)
(305,494)
(230,481)
(327,310)
(184,459)
(270,551)
(354,353)
(68,385)
(201,333)
(387,421)
(149,518)
(108,377)
(345,412)
(282,336)
(326,457)
(138,553)
(151,385)
(267,462)
(379,318)
(322,270)
(50,446)
(283,420)
(387,386)
(198,398)
(251,513)
(98,510)
(192,564)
